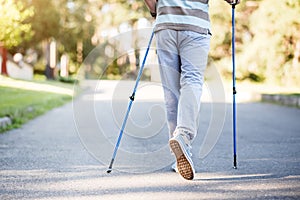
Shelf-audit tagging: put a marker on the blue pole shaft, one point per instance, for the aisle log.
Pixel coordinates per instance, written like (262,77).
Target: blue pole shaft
(130,105)
(234,89)
(143,64)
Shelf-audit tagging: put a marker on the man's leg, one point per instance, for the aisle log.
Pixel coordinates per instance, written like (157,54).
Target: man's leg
(169,63)
(193,49)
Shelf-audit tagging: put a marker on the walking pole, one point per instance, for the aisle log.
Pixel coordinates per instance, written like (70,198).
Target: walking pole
(129,106)
(234,88)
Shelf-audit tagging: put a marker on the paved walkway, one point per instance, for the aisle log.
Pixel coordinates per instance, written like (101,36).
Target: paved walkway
(46,158)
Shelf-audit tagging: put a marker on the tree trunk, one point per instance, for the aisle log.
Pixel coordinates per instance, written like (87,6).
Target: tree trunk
(3,53)
(50,52)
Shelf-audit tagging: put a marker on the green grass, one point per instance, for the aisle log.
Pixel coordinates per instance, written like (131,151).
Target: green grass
(22,105)
(295,94)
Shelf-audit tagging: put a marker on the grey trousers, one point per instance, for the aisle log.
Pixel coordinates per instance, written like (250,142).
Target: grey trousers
(182,57)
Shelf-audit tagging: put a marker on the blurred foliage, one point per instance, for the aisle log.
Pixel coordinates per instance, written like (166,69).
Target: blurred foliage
(267,40)
(267,34)
(68,22)
(273,48)
(13,23)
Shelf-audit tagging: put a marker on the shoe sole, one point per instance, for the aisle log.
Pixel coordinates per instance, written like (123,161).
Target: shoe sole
(184,167)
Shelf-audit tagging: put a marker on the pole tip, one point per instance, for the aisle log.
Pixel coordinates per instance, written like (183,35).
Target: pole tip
(109,170)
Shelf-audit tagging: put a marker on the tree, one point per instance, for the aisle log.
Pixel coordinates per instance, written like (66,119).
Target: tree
(267,40)
(77,21)
(220,51)
(14,27)
(46,27)
(112,17)
(67,22)
(273,52)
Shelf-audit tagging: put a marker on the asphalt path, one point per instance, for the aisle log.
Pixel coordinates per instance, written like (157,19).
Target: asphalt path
(64,154)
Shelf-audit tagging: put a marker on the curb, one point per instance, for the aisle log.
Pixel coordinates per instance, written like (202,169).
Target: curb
(287,100)
(5,121)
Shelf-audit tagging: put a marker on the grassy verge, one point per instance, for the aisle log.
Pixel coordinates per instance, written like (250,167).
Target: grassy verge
(22,101)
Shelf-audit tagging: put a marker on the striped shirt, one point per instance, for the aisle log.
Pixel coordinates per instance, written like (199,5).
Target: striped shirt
(187,15)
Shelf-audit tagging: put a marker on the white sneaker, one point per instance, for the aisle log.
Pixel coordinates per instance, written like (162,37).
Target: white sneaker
(174,167)
(181,149)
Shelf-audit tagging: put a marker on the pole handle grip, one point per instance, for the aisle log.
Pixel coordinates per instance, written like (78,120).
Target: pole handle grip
(234,2)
